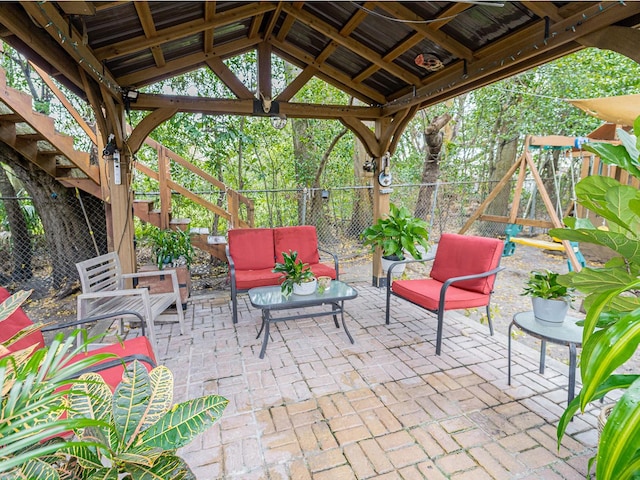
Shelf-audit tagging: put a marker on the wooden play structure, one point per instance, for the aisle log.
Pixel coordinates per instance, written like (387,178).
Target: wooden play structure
(591,165)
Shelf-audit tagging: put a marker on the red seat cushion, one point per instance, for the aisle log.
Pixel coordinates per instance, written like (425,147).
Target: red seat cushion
(321,270)
(252,248)
(459,255)
(246,279)
(302,239)
(426,293)
(16,322)
(113,375)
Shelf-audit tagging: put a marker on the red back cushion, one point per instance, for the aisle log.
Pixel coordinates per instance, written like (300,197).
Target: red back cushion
(16,322)
(252,248)
(302,239)
(459,255)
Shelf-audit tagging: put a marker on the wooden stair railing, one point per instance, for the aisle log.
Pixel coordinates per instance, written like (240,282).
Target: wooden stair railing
(33,135)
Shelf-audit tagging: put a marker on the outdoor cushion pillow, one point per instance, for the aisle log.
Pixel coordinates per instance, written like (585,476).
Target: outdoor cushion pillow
(302,239)
(251,248)
(426,293)
(460,255)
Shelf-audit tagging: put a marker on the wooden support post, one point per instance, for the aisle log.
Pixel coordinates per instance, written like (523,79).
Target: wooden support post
(381,203)
(164,176)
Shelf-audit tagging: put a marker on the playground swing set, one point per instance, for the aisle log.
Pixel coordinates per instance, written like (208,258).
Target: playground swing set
(514,223)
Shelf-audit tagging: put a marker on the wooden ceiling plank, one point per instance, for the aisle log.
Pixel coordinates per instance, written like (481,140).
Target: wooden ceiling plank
(353,45)
(149,28)
(227,77)
(256,23)
(185,64)
(14,18)
(296,84)
(71,41)
(209,15)
(177,32)
(544,9)
(517,51)
(429,31)
(331,75)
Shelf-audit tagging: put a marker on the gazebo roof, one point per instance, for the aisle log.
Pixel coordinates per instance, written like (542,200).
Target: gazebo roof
(368,49)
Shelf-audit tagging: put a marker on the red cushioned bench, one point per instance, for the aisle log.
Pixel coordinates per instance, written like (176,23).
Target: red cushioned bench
(252,254)
(110,370)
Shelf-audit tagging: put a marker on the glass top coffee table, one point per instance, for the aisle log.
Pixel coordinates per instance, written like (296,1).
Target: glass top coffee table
(565,333)
(269,299)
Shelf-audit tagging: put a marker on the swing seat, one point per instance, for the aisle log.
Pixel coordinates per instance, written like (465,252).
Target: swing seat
(532,242)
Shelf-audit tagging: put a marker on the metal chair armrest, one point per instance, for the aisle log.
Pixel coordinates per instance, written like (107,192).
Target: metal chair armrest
(335,261)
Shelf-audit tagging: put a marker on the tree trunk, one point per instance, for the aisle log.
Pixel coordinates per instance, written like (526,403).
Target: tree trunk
(66,231)
(21,249)
(433,143)
(506,155)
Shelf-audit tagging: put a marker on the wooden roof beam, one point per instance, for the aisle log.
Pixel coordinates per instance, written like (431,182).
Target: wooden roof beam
(216,106)
(544,9)
(149,29)
(296,84)
(185,64)
(23,28)
(264,75)
(518,49)
(209,15)
(331,75)
(137,44)
(227,77)
(353,45)
(288,22)
(70,40)
(430,31)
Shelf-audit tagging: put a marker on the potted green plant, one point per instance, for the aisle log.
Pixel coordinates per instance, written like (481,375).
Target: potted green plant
(297,276)
(172,249)
(549,298)
(611,332)
(397,233)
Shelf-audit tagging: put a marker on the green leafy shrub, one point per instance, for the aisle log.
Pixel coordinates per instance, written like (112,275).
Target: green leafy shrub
(545,284)
(293,271)
(612,325)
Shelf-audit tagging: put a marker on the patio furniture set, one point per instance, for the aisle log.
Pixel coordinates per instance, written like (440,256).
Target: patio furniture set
(462,276)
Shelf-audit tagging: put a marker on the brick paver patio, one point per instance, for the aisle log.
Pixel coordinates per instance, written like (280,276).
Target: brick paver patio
(386,407)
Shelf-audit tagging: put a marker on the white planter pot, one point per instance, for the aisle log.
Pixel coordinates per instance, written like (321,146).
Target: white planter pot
(306,288)
(549,311)
(397,271)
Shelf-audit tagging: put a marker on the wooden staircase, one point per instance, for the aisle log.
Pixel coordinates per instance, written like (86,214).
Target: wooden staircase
(33,135)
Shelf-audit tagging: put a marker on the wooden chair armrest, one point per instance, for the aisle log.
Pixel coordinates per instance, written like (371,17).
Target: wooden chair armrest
(97,318)
(114,293)
(153,273)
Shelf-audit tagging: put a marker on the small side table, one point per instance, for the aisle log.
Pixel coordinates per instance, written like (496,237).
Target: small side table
(566,333)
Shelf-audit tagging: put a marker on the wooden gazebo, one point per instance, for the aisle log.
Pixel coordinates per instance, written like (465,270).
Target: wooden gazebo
(394,57)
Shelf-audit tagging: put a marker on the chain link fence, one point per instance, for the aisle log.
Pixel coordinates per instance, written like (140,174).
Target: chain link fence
(340,215)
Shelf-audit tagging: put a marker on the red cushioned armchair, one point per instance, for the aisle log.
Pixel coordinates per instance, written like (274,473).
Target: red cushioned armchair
(463,273)
(110,370)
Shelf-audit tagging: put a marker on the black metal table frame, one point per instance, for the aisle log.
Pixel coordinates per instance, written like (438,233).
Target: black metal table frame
(573,346)
(267,319)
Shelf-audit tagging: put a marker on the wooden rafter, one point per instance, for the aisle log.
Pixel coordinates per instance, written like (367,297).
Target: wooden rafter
(351,44)
(432,31)
(232,82)
(518,50)
(70,40)
(149,28)
(180,31)
(209,15)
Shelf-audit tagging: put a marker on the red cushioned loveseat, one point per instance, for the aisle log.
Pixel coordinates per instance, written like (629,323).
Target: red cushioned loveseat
(252,254)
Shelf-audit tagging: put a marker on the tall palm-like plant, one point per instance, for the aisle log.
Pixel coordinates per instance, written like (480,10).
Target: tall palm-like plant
(612,325)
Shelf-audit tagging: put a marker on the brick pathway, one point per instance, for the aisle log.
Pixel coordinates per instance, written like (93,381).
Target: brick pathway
(386,407)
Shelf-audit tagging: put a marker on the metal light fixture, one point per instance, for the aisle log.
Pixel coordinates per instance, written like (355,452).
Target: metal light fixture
(279,122)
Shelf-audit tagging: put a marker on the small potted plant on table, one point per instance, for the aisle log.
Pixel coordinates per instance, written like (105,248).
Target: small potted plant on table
(549,298)
(297,276)
(397,233)
(171,249)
